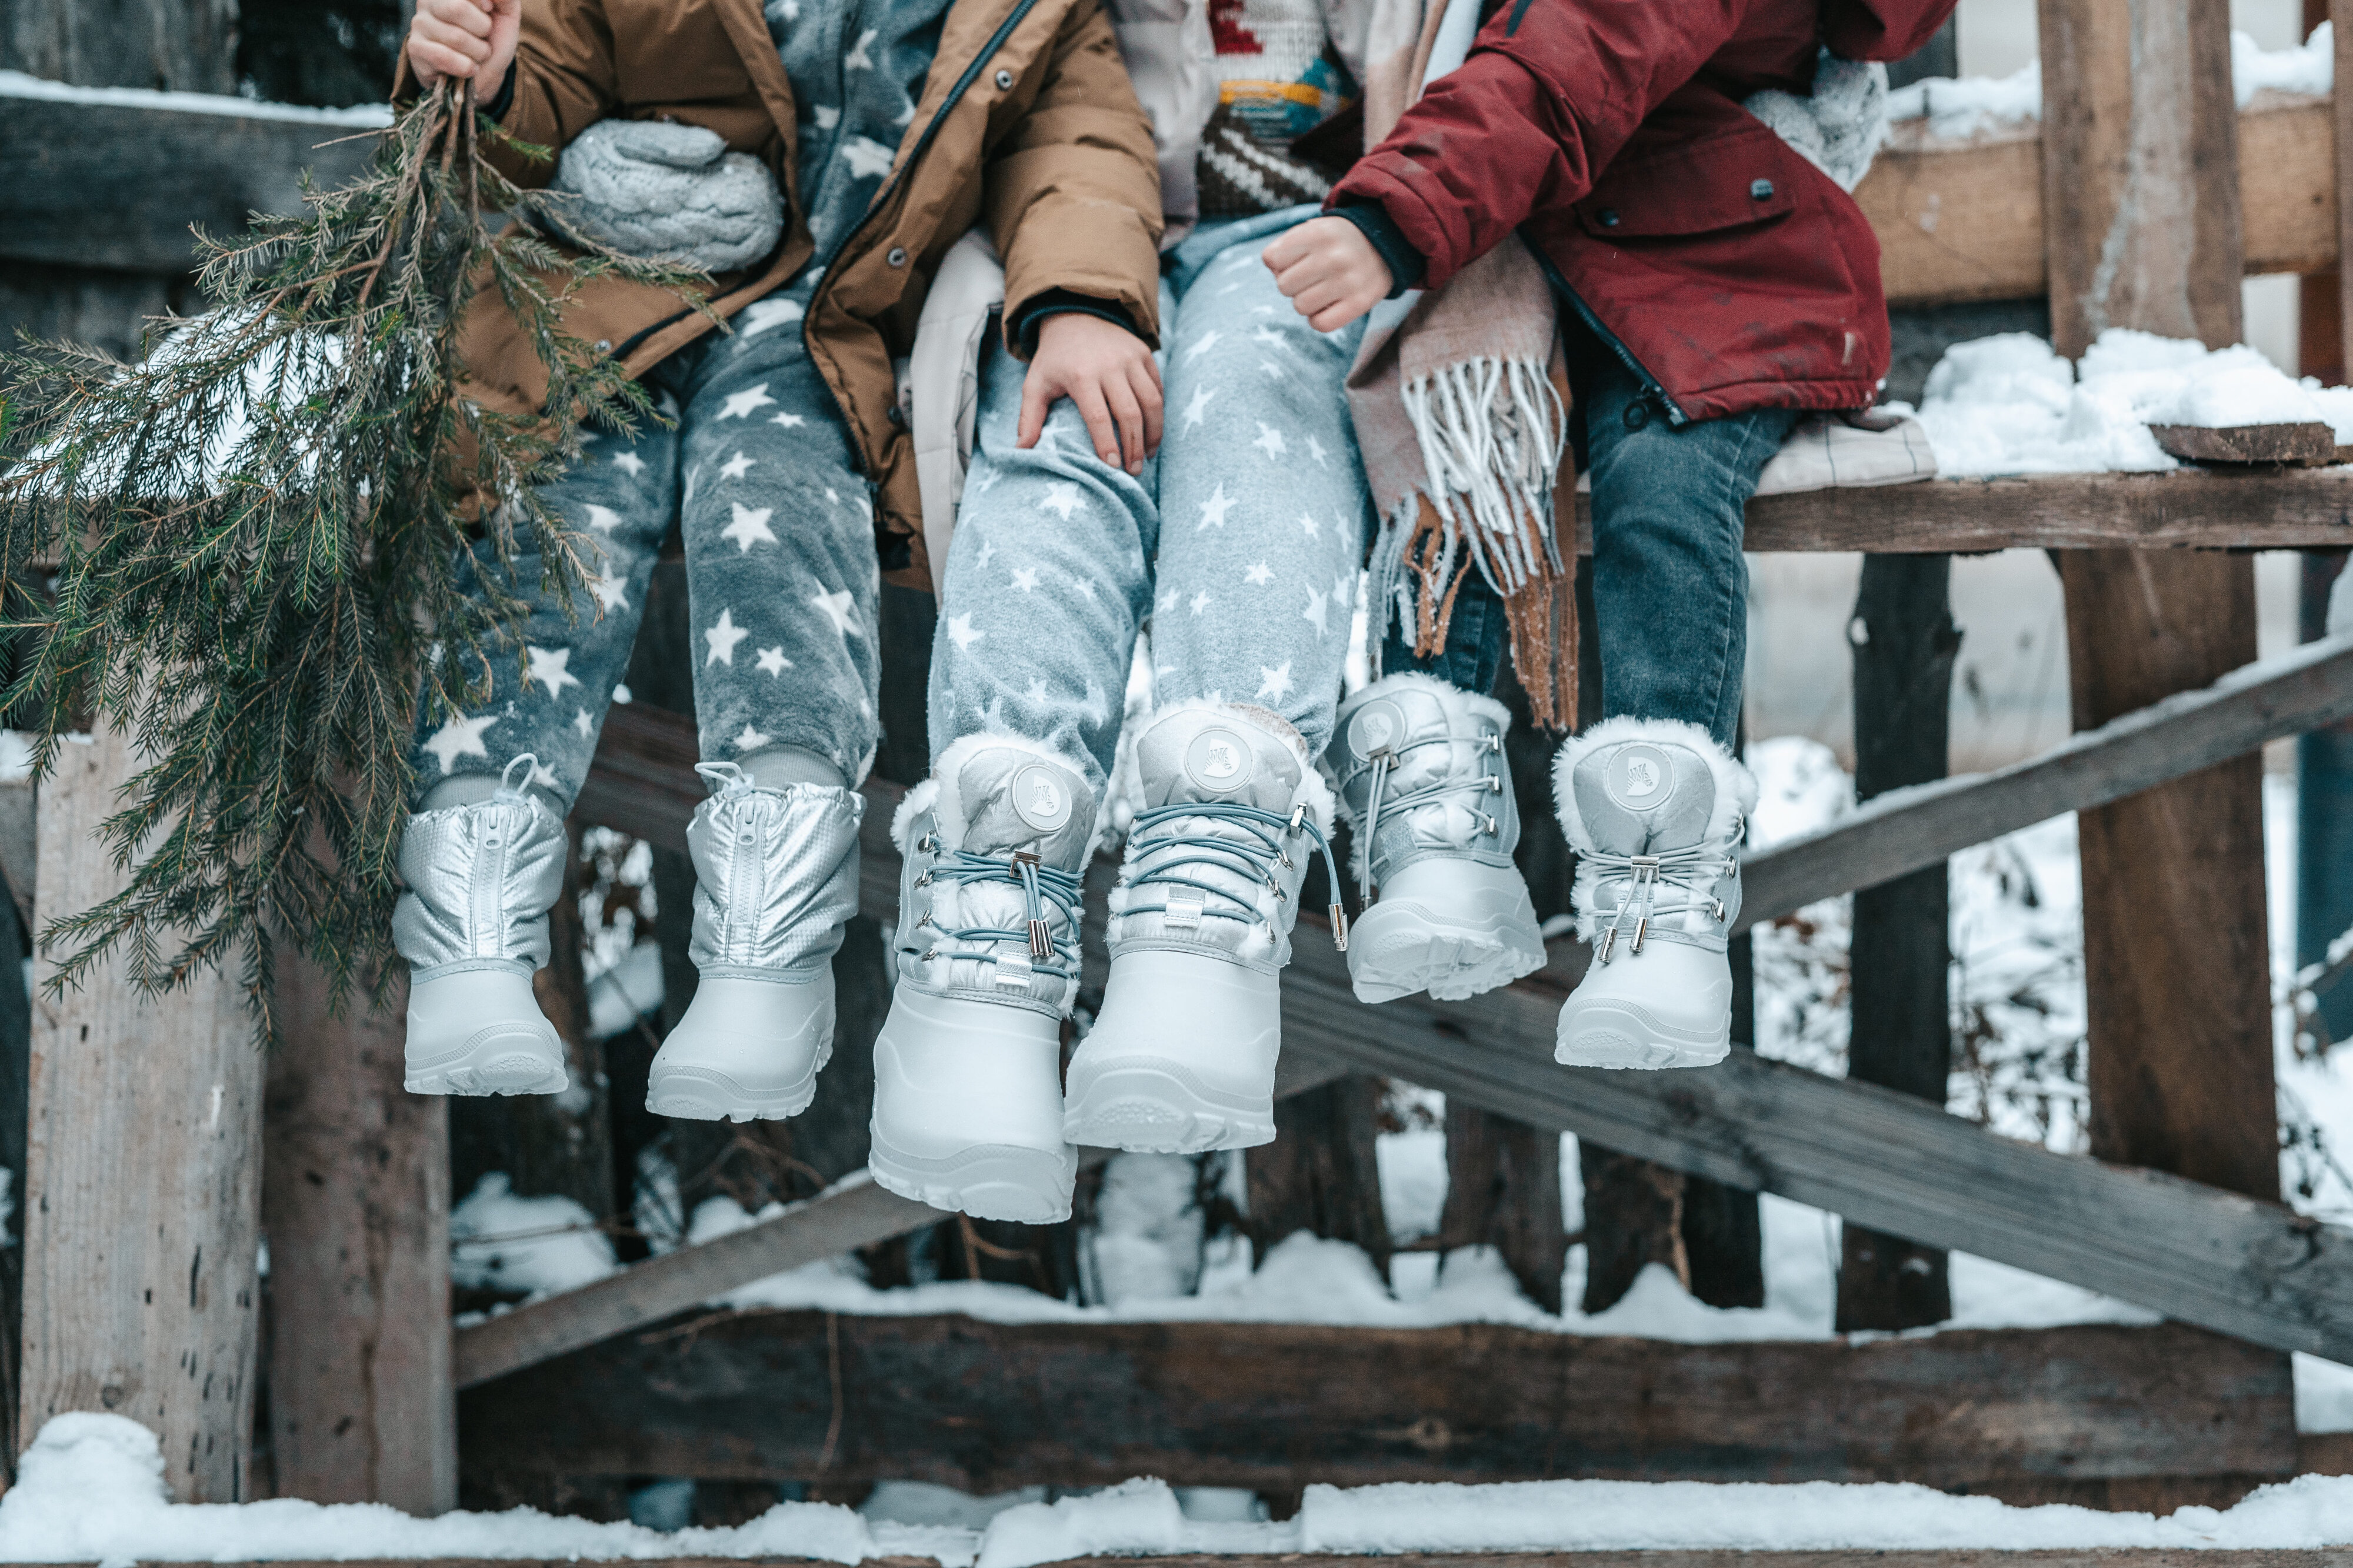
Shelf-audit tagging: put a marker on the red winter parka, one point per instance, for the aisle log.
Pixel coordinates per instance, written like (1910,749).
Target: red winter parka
(1734,273)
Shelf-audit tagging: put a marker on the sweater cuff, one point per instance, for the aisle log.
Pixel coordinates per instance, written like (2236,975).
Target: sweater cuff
(1022,331)
(497,108)
(1406,265)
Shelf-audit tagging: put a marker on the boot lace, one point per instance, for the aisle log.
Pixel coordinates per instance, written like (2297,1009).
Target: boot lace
(1650,886)
(1384,760)
(1047,894)
(1253,856)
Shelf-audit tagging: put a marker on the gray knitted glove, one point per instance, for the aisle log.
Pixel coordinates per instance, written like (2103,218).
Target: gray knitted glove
(647,187)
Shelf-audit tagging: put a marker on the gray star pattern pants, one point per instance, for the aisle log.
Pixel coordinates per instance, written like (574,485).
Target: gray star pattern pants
(781,573)
(1240,545)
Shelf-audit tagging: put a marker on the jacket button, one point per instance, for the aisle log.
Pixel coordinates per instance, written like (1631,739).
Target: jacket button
(1761,190)
(1610,217)
(898,416)
(898,256)
(1637,415)
(1004,81)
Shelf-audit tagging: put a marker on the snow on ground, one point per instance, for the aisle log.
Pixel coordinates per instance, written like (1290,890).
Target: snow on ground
(91,1488)
(2010,405)
(501,1242)
(1972,106)
(16,84)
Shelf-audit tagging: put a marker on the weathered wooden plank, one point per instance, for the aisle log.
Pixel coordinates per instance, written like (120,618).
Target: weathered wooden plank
(1966,1557)
(189,46)
(355,1196)
(985,1408)
(142,1180)
(2310,445)
(1915,827)
(117,186)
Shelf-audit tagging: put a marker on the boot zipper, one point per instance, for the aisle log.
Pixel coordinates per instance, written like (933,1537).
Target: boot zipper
(1652,392)
(882,197)
(489,881)
(747,890)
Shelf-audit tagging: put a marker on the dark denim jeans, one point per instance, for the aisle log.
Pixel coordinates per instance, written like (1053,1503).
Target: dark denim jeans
(1670,587)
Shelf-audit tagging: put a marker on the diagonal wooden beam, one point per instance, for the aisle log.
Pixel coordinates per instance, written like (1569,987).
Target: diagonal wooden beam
(1905,829)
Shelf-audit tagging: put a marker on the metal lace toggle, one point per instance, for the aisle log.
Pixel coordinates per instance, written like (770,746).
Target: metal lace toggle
(1022,867)
(1188,903)
(1644,877)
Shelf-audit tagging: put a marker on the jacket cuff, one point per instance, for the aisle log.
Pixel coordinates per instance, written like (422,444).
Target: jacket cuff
(1021,332)
(1406,265)
(498,106)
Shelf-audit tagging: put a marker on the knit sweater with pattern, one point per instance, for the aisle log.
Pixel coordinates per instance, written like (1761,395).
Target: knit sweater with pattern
(1279,80)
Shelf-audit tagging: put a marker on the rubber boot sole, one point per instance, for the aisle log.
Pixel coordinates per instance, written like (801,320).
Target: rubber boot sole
(987,1181)
(1153,1105)
(1399,949)
(1614,1033)
(706,1094)
(511,1056)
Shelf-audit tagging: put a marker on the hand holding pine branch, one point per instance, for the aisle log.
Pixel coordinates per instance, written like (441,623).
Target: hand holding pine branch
(261,536)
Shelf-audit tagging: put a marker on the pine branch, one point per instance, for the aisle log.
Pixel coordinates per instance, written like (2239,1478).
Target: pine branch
(257,532)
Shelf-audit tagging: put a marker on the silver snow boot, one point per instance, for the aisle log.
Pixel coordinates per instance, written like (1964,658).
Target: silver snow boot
(1419,770)
(1656,812)
(1183,1058)
(969,1066)
(775,875)
(473,926)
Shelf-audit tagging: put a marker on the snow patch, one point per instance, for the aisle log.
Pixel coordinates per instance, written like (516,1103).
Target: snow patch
(499,1241)
(16,756)
(16,84)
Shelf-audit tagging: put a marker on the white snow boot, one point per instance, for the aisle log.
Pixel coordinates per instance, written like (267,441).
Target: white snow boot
(1420,771)
(775,875)
(1656,812)
(1182,1059)
(968,1068)
(473,925)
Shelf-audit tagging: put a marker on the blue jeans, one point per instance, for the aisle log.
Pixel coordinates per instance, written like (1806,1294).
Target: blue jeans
(1239,543)
(1669,585)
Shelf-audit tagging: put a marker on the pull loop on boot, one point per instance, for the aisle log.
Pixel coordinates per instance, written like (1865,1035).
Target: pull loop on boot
(776,878)
(1421,777)
(472,923)
(1656,812)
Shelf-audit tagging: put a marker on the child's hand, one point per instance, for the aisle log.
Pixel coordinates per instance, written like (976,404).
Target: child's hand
(464,38)
(1108,371)
(1328,270)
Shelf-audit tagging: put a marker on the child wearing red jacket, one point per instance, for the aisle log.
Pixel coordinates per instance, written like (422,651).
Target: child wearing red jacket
(1711,282)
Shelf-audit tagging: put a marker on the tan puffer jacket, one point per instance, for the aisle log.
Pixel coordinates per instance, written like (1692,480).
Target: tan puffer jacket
(1025,126)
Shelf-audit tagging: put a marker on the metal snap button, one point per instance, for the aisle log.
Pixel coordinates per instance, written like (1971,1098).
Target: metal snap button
(1636,416)
(1004,81)
(898,414)
(1762,190)
(898,256)
(1610,217)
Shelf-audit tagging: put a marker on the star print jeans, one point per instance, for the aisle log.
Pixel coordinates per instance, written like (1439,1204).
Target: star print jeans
(781,579)
(1239,543)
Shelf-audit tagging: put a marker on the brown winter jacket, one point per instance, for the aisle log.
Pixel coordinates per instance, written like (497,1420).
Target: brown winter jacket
(1026,122)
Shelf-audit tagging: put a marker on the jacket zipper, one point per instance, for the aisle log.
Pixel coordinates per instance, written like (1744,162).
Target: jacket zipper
(1652,392)
(882,199)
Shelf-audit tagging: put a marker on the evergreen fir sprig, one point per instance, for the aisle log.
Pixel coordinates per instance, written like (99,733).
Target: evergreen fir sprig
(266,544)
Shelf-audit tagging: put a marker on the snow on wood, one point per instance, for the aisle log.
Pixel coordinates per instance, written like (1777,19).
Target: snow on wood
(2305,446)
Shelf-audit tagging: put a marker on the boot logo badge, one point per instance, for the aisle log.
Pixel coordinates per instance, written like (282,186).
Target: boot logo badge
(1638,778)
(1217,761)
(1039,799)
(1377,726)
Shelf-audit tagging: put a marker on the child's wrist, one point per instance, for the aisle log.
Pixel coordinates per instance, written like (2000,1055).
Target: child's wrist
(1407,267)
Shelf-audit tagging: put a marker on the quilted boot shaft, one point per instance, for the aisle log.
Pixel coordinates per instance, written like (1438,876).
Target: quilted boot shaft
(480,879)
(776,876)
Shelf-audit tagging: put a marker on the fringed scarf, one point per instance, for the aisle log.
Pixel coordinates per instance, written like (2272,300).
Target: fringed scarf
(1460,403)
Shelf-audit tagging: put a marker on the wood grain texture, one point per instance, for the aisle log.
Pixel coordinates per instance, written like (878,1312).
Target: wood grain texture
(142,1180)
(1503,1190)
(2307,445)
(2189,731)
(985,1408)
(355,1195)
(1858,1557)
(184,45)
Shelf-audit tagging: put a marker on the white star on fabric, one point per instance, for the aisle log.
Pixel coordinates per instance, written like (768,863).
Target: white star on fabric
(1271,368)
(826,116)
(1261,310)
(582,723)
(751,739)
(832,496)
(1259,572)
(686,493)
(542,776)
(749,525)
(789,421)
(1062,498)
(984,480)
(460,737)
(960,632)
(858,60)
(1195,408)
(1269,440)
(867,159)
(736,467)
(612,593)
(987,554)
(1315,450)
(1086,587)
(1318,612)
(603,519)
(762,314)
(741,404)
(1343,587)
(1275,684)
(1314,530)
(836,610)
(547,668)
(1201,345)
(906,116)
(772,661)
(722,638)
(1270,336)
(1025,578)
(630,464)
(1214,509)
(1037,692)
(1167,602)
(1201,601)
